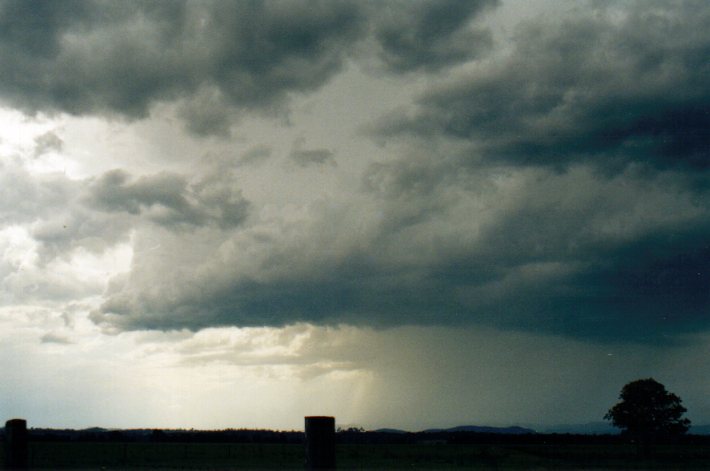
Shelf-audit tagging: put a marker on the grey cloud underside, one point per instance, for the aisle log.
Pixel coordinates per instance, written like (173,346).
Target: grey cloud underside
(597,88)
(563,189)
(602,265)
(306,157)
(430,35)
(215,59)
(256,155)
(602,304)
(170,200)
(94,57)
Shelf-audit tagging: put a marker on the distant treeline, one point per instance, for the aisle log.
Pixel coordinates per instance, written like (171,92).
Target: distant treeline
(350,436)
(168,436)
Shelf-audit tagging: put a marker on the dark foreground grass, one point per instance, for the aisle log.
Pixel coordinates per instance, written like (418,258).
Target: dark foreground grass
(224,456)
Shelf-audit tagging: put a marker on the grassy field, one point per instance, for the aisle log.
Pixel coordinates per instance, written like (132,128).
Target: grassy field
(132,455)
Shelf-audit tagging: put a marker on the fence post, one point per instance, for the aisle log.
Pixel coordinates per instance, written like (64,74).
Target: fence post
(320,442)
(16,453)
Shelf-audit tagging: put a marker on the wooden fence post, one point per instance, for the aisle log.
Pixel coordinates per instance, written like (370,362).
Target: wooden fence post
(320,442)
(16,452)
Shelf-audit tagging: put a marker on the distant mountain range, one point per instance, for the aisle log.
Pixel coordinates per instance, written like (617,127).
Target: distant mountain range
(700,430)
(466,428)
(589,428)
(389,430)
(602,428)
(483,429)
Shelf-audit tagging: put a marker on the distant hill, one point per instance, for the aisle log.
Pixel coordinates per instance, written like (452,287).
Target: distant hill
(389,430)
(605,428)
(589,428)
(483,429)
(700,430)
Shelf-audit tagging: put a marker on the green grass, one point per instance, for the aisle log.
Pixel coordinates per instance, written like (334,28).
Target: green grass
(223,456)
(78,455)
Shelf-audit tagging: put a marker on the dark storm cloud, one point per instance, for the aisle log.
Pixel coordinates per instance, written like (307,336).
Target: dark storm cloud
(560,188)
(115,191)
(429,35)
(352,294)
(572,254)
(255,155)
(169,199)
(306,157)
(603,88)
(83,56)
(215,59)
(94,57)
(558,270)
(576,253)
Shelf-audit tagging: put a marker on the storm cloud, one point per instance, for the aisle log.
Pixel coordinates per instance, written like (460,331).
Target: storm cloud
(615,259)
(213,59)
(553,181)
(609,87)
(430,35)
(121,58)
(168,199)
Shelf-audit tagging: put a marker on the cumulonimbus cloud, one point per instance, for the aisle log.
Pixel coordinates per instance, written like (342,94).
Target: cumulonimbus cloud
(560,188)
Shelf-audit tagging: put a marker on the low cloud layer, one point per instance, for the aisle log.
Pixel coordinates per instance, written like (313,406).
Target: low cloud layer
(616,259)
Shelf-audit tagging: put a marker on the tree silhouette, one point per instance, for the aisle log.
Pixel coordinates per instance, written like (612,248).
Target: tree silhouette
(647,411)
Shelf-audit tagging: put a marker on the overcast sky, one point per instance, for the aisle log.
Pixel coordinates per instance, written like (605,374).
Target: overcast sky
(401,213)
